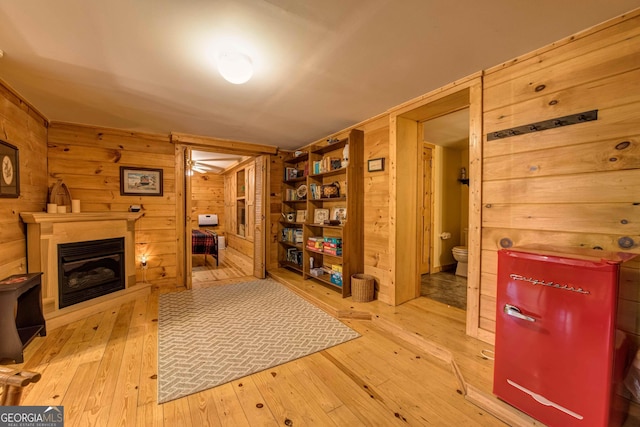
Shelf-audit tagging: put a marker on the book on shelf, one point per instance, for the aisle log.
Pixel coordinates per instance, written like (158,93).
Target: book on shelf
(292,235)
(290,173)
(327,164)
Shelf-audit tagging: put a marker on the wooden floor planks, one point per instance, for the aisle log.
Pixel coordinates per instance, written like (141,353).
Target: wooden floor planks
(103,370)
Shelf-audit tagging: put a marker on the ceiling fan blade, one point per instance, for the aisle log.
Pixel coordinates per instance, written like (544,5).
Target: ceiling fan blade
(221,159)
(206,166)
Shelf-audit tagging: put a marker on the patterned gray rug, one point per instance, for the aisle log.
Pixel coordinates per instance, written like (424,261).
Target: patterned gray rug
(210,336)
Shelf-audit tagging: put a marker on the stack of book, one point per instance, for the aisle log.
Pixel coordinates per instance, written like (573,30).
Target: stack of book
(336,274)
(292,235)
(326,164)
(294,256)
(315,243)
(332,246)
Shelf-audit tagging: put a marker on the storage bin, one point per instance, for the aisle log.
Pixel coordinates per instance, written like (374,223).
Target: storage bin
(362,287)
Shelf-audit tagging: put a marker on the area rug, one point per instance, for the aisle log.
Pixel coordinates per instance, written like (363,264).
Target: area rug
(210,336)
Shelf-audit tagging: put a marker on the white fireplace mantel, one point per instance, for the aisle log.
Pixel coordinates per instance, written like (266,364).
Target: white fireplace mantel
(45,231)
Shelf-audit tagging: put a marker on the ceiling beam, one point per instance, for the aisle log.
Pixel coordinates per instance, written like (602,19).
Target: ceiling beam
(222,145)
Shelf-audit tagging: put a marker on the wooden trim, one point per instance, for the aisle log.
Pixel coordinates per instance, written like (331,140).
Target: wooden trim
(222,145)
(43,217)
(183,246)
(260,224)
(393,206)
(436,94)
(474,235)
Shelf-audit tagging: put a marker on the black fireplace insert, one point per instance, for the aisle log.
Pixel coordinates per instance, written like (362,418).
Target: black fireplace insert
(90,269)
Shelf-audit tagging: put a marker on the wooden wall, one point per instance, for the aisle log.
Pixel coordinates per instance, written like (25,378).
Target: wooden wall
(571,186)
(25,128)
(377,254)
(88,160)
(207,197)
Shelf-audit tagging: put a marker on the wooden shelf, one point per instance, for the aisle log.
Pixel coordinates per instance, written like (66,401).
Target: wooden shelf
(328,173)
(295,180)
(291,244)
(327,148)
(325,279)
(291,265)
(350,232)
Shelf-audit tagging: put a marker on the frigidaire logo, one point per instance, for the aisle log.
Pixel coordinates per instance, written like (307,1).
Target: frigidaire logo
(32,416)
(549,284)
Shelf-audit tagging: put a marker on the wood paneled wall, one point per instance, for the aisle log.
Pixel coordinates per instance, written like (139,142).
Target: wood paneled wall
(377,254)
(88,160)
(26,129)
(207,197)
(571,186)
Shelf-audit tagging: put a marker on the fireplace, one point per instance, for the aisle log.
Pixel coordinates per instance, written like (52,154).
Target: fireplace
(90,269)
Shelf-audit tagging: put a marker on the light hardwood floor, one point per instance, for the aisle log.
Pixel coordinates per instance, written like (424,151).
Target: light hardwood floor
(231,264)
(103,370)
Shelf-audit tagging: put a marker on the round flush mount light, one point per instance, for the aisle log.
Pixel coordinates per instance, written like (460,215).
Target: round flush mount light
(235,67)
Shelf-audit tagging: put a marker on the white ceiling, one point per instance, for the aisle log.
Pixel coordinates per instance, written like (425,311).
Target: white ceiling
(320,65)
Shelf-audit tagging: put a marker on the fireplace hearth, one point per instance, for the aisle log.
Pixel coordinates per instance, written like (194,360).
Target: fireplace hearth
(90,269)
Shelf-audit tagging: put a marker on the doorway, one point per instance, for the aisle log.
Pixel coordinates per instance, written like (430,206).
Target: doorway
(256,159)
(406,144)
(445,207)
(210,174)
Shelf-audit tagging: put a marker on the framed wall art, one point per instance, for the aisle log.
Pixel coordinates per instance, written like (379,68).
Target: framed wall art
(320,215)
(10,180)
(136,181)
(374,165)
(339,214)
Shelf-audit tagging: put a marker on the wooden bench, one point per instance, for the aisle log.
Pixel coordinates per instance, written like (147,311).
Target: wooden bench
(13,382)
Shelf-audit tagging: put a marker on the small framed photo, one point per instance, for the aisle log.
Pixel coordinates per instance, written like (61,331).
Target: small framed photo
(10,180)
(301,215)
(320,215)
(339,214)
(375,165)
(140,181)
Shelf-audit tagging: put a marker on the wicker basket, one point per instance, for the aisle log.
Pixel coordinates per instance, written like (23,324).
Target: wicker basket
(362,287)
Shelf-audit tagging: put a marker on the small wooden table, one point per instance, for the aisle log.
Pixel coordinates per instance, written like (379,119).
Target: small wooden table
(21,317)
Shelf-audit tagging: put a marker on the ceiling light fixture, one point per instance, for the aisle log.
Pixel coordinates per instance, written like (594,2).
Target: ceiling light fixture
(235,67)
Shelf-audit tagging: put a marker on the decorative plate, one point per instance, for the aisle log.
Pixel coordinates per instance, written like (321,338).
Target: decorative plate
(302,191)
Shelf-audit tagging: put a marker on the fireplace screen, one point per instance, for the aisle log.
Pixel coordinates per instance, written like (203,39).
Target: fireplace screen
(89,269)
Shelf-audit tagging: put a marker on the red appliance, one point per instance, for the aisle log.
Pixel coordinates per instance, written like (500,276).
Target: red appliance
(556,343)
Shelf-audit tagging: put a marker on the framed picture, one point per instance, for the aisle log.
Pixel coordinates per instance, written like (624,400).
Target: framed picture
(140,181)
(301,215)
(339,214)
(375,165)
(10,180)
(320,215)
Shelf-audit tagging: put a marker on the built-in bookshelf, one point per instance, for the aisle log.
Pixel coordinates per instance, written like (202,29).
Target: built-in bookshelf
(322,203)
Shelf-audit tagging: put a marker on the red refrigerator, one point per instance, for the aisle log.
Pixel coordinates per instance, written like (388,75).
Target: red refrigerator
(556,343)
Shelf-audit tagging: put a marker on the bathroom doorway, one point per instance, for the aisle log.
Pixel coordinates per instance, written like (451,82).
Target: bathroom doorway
(445,204)
(406,143)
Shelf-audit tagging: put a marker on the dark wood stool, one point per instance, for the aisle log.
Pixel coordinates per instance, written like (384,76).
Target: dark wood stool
(21,316)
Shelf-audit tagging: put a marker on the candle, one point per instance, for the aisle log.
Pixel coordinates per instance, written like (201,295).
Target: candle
(62,209)
(75,206)
(52,208)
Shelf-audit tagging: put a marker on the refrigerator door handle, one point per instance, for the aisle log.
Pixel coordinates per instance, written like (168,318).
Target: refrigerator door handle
(514,311)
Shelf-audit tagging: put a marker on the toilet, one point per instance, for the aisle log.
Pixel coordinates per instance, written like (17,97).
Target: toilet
(461,255)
